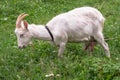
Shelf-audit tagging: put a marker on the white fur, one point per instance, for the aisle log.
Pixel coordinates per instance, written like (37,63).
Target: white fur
(74,26)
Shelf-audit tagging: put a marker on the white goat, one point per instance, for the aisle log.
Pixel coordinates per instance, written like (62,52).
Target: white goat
(77,25)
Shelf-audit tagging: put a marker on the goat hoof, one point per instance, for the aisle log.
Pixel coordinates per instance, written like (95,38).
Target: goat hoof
(60,56)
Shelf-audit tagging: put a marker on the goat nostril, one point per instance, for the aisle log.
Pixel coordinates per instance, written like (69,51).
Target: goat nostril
(24,46)
(19,47)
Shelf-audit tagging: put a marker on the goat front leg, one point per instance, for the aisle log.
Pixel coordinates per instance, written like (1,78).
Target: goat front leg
(61,49)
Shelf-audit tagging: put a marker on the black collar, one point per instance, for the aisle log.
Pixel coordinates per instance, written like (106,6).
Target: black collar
(50,33)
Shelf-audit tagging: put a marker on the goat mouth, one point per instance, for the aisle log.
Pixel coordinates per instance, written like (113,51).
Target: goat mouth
(21,47)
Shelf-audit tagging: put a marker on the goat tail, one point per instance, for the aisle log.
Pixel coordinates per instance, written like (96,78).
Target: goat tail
(102,21)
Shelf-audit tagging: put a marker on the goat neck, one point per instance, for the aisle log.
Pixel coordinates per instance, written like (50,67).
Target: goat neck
(39,32)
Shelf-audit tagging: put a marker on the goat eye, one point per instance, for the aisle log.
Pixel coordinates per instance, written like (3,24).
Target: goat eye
(21,35)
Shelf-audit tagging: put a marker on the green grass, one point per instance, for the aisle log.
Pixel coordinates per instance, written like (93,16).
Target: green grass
(34,62)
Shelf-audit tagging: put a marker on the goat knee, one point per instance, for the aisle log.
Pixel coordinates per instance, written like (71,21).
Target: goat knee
(61,49)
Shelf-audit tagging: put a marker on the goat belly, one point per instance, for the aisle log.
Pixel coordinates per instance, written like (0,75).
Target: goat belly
(78,38)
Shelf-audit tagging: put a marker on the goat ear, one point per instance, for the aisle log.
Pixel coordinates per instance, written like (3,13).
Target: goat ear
(25,24)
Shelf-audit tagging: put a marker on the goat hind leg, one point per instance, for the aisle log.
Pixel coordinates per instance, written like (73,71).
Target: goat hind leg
(100,39)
